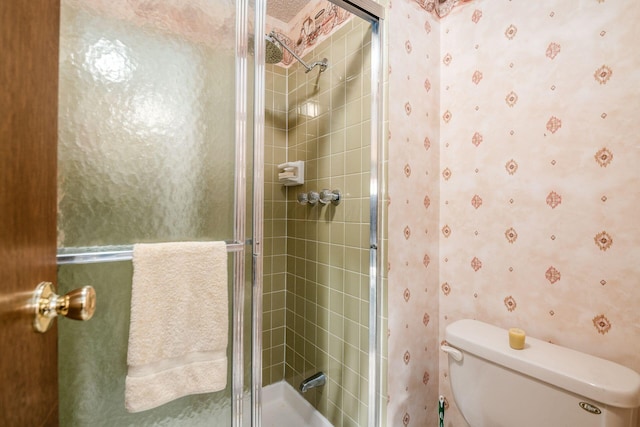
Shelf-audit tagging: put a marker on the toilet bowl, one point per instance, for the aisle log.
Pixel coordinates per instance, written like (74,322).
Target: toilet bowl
(544,384)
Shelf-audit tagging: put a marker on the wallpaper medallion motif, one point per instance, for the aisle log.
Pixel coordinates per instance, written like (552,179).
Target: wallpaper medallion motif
(531,176)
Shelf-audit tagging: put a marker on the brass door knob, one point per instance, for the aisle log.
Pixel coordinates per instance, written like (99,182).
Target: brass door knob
(79,304)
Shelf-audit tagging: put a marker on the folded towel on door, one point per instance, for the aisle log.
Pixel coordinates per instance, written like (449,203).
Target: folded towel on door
(179,322)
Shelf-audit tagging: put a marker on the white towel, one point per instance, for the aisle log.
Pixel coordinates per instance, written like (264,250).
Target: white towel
(179,322)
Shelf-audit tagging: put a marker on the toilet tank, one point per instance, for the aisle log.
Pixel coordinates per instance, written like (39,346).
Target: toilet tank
(544,384)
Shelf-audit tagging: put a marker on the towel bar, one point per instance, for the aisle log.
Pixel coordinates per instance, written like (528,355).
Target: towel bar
(90,255)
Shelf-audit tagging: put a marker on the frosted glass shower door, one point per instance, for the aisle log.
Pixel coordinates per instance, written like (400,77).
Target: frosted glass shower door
(146,153)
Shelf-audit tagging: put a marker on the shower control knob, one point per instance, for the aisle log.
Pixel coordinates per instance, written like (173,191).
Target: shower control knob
(327,196)
(302,198)
(79,304)
(313,197)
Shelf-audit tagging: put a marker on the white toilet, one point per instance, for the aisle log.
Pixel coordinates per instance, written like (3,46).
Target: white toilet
(543,385)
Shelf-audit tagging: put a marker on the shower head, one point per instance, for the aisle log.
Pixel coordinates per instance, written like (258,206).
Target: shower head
(273,54)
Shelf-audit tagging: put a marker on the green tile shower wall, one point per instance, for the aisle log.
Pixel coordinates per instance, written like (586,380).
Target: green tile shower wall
(317,258)
(275,226)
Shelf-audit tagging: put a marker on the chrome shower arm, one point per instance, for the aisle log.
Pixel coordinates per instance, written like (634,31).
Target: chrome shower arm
(323,65)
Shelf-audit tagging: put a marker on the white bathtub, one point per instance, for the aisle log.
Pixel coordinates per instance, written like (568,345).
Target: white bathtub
(283,406)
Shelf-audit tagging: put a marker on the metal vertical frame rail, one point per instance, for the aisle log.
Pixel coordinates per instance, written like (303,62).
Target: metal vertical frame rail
(237,308)
(375,236)
(258,212)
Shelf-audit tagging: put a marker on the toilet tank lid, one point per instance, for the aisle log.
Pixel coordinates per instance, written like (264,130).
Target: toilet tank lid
(589,376)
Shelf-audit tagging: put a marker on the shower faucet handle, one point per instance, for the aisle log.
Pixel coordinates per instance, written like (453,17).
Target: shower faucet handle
(327,196)
(303,199)
(314,198)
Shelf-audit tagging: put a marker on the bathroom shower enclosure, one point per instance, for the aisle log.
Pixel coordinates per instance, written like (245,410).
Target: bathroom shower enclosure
(318,256)
(165,135)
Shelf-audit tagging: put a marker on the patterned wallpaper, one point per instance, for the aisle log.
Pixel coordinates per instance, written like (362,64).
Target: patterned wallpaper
(414,99)
(521,199)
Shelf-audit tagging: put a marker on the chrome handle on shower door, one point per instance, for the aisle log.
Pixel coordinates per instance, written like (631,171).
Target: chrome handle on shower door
(78,304)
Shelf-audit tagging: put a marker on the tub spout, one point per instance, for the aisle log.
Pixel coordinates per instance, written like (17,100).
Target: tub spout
(313,381)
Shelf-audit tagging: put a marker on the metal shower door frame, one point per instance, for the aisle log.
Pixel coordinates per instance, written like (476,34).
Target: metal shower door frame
(240,212)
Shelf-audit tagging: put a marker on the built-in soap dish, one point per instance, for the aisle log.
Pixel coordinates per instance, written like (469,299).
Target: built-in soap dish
(291,173)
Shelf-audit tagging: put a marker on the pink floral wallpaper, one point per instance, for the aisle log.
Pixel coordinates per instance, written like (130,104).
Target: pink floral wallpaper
(414,204)
(513,183)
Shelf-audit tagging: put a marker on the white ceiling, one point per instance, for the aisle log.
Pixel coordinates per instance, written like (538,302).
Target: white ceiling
(285,10)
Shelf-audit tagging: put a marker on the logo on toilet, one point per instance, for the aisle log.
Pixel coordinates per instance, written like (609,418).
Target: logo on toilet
(590,408)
